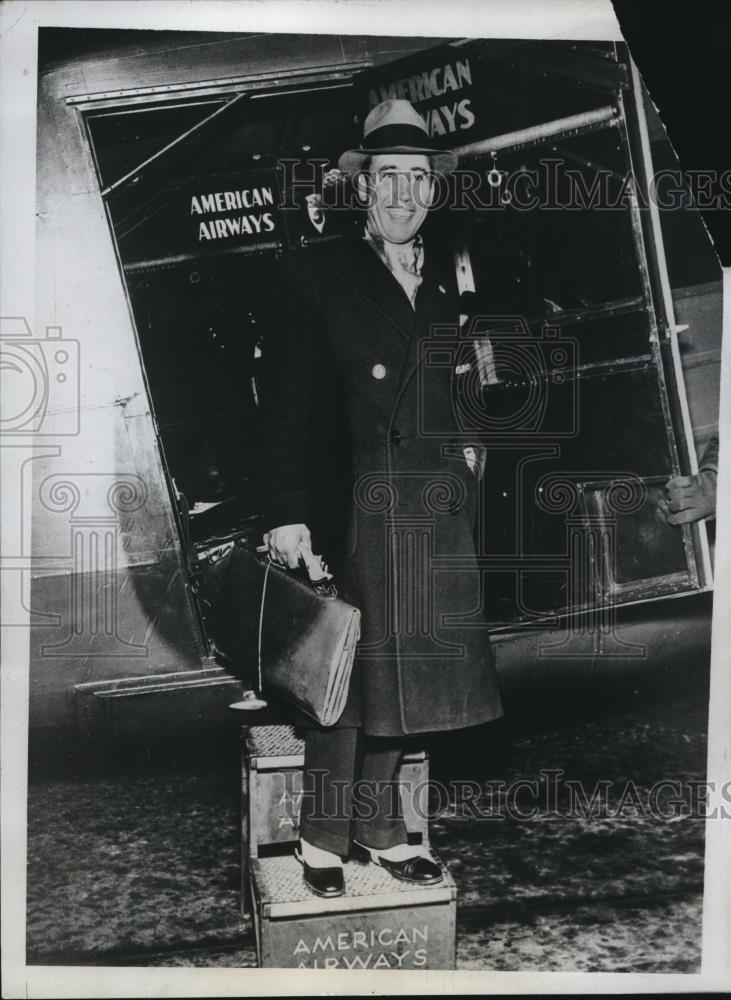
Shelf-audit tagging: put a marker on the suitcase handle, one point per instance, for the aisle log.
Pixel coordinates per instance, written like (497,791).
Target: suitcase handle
(318,576)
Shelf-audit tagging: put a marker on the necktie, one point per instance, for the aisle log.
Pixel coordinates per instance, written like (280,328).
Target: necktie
(404,260)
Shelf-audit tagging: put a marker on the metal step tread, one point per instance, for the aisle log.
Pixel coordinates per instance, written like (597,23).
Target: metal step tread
(283,742)
(282,892)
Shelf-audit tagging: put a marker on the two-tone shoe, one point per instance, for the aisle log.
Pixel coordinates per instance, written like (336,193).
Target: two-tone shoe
(322,881)
(409,864)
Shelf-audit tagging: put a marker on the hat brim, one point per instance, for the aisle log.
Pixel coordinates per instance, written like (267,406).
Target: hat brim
(443,161)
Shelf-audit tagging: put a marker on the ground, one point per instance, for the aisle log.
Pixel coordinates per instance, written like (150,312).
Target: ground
(133,859)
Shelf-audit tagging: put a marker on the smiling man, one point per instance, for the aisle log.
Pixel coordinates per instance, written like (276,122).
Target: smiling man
(344,445)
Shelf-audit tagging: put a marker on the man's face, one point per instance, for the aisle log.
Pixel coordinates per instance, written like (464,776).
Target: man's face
(401,192)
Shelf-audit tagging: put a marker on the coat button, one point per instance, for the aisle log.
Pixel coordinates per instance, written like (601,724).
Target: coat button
(378,371)
(395,436)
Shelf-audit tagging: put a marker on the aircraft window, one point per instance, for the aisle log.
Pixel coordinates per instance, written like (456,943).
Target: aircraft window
(646,547)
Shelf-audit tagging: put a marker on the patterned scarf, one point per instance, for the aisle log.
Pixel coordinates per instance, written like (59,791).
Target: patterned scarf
(404,260)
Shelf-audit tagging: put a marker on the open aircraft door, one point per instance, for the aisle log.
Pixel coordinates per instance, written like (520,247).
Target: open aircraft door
(570,362)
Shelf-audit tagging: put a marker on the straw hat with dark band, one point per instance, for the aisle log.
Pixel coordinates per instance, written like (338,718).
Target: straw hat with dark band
(396,127)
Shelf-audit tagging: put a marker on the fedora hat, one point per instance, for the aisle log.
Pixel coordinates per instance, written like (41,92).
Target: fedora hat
(396,127)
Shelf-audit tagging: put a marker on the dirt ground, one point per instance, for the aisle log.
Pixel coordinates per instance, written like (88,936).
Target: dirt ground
(133,858)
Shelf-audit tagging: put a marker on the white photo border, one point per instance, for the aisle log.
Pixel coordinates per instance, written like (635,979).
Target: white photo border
(547,19)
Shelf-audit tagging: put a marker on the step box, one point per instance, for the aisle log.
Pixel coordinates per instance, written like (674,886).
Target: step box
(380,923)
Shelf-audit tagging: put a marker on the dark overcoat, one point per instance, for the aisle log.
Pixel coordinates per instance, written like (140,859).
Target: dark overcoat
(361,432)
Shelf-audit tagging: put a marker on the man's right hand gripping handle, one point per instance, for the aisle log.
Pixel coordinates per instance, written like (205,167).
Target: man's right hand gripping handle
(287,543)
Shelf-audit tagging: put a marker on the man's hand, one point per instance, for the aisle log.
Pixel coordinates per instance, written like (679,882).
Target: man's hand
(689,498)
(287,543)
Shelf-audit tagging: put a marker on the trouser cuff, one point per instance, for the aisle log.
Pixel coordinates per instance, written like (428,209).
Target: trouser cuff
(326,840)
(380,840)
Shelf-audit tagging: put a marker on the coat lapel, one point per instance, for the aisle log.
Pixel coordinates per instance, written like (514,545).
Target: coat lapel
(360,267)
(433,303)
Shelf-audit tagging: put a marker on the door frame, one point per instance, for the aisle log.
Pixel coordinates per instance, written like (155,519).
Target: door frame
(257,86)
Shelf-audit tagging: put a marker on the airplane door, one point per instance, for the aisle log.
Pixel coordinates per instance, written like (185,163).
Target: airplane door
(570,373)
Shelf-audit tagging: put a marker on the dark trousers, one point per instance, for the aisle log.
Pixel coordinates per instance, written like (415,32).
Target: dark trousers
(349,788)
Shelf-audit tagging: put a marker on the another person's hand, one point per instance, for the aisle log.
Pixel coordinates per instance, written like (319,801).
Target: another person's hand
(287,543)
(690,498)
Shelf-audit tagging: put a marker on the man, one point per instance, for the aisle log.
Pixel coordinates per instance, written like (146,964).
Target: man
(361,425)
